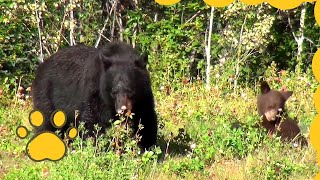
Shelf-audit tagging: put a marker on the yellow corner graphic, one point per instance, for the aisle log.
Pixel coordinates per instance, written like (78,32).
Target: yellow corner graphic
(46,145)
(315,125)
(285,4)
(315,133)
(317,12)
(316,65)
(280,4)
(317,177)
(218,3)
(167,2)
(252,2)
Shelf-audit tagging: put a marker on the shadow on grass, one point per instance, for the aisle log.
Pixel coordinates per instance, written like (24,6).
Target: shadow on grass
(175,146)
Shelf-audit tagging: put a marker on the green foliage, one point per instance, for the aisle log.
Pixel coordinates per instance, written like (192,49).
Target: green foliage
(17,48)
(284,46)
(197,138)
(170,41)
(245,39)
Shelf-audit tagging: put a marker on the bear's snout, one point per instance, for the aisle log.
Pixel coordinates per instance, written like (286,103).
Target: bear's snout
(123,104)
(271,115)
(122,109)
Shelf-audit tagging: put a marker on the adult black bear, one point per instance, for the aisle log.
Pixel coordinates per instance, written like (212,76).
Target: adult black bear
(99,83)
(271,105)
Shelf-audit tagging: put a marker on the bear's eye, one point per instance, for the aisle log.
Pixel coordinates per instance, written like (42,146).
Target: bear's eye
(271,106)
(131,94)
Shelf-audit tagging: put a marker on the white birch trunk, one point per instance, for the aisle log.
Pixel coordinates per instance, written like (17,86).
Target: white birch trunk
(72,41)
(39,31)
(208,47)
(301,38)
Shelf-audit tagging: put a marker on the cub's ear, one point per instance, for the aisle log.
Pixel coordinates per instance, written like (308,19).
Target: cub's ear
(105,57)
(264,87)
(286,94)
(142,61)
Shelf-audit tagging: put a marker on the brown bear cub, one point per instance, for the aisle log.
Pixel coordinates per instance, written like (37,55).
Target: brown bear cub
(271,105)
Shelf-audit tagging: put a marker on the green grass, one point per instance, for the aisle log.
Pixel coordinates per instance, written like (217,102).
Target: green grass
(195,137)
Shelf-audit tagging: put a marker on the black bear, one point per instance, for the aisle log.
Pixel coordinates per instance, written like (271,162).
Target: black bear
(99,83)
(271,106)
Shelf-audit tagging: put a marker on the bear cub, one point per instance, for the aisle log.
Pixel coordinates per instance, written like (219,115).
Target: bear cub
(271,106)
(98,83)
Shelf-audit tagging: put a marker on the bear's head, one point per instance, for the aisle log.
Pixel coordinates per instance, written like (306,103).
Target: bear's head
(124,79)
(271,103)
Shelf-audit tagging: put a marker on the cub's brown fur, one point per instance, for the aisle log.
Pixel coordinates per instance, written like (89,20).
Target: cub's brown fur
(271,106)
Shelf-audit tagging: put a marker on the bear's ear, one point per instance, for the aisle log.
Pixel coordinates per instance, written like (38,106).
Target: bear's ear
(286,94)
(142,61)
(264,87)
(104,57)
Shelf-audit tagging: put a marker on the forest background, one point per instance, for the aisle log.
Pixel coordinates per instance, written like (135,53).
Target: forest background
(205,64)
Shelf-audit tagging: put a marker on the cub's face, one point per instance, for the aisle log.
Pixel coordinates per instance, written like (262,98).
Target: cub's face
(271,103)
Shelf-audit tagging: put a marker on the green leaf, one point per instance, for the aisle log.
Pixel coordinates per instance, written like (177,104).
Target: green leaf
(117,122)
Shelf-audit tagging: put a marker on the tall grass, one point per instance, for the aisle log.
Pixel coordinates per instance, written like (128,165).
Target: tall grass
(196,138)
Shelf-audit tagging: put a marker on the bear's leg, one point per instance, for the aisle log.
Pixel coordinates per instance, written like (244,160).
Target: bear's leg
(150,128)
(86,117)
(270,126)
(43,102)
(289,130)
(90,117)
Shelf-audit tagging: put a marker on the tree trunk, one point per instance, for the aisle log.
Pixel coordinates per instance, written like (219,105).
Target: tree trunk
(237,68)
(300,39)
(208,51)
(72,24)
(39,32)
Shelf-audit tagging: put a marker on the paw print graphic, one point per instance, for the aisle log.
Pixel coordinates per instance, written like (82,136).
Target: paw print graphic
(46,145)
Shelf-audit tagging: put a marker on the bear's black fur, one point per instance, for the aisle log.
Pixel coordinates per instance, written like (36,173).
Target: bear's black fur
(98,82)
(271,106)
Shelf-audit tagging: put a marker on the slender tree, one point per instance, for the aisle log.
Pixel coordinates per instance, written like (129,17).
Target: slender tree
(208,46)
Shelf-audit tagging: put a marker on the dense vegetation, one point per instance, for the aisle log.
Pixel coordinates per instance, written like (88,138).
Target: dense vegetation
(248,43)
